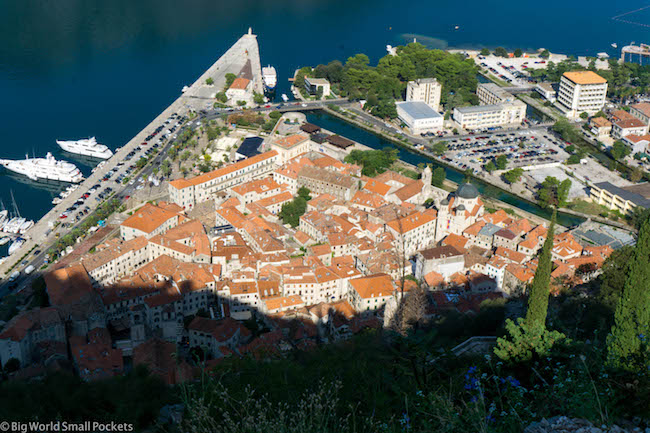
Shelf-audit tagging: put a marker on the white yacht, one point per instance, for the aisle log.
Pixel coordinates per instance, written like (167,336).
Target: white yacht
(15,245)
(46,168)
(25,226)
(270,78)
(13,226)
(86,147)
(284,97)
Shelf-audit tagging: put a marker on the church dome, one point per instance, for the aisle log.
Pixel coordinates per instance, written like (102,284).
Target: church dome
(444,202)
(461,207)
(467,191)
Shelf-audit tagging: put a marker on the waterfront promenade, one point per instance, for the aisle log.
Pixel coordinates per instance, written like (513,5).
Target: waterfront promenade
(245,50)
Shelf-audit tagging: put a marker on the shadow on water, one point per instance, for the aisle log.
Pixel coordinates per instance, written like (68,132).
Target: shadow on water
(371,140)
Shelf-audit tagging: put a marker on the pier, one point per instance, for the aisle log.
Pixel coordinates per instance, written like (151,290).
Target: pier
(242,59)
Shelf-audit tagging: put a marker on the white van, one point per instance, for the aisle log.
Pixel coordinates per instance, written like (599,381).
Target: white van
(29,269)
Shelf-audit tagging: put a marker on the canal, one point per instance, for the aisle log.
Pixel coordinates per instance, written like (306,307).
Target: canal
(369,139)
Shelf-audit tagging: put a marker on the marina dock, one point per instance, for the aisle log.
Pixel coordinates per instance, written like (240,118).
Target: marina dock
(242,58)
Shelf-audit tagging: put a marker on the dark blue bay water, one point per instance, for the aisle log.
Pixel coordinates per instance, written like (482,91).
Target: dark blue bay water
(74,68)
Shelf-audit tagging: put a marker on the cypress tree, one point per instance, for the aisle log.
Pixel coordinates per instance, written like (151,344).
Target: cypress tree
(539,290)
(632,316)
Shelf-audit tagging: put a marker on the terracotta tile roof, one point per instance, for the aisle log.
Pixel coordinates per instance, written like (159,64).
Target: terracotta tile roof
(290,141)
(522,273)
(258,186)
(148,218)
(495,217)
(621,115)
(330,177)
(600,122)
(410,222)
(377,285)
(474,229)
(584,77)
(293,167)
(239,165)
(630,123)
(434,279)
(367,199)
(111,250)
(281,198)
(68,285)
(31,320)
(377,187)
(220,330)
(240,83)
(512,255)
(643,107)
(280,302)
(409,190)
(456,241)
(390,176)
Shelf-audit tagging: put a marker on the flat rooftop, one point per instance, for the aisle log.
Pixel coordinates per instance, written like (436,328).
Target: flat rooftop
(634,195)
(480,108)
(418,110)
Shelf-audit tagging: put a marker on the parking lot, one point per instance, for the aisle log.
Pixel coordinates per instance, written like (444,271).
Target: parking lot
(122,172)
(513,70)
(522,148)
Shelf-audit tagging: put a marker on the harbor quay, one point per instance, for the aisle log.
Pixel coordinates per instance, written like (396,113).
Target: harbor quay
(242,57)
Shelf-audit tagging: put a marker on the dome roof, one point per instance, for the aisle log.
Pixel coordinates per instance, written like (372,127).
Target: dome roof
(468,191)
(444,202)
(461,207)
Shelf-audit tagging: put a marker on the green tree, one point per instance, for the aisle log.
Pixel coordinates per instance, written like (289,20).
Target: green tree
(518,53)
(552,192)
(545,54)
(584,115)
(372,161)
(221,96)
(292,211)
(619,150)
(500,52)
(275,115)
(438,177)
(258,98)
(241,103)
(304,192)
(439,148)
(490,167)
(627,342)
(230,78)
(513,176)
(209,81)
(540,287)
(185,155)
(485,52)
(563,192)
(502,162)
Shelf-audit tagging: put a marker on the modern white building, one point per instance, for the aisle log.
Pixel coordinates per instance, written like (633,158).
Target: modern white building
(312,85)
(581,92)
(419,117)
(490,116)
(427,90)
(491,94)
(547,91)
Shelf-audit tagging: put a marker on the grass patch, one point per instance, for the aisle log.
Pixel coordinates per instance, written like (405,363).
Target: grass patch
(587,207)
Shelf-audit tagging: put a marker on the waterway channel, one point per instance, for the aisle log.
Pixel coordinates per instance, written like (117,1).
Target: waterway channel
(352,132)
